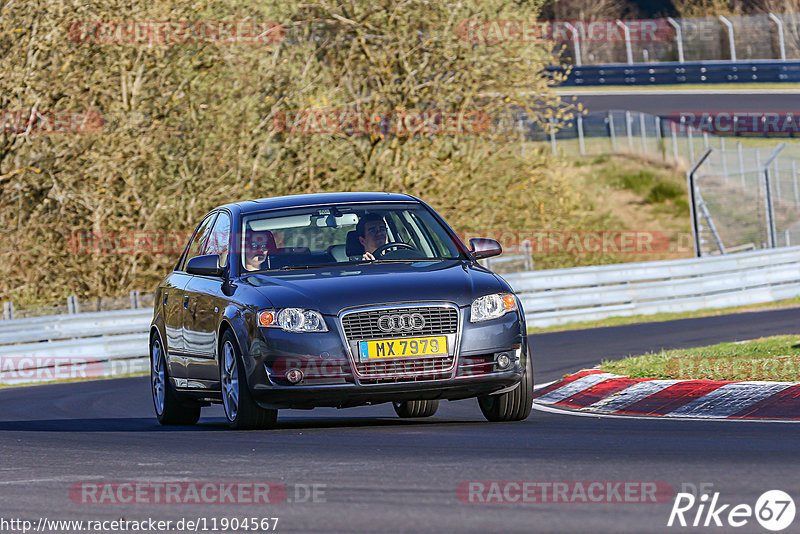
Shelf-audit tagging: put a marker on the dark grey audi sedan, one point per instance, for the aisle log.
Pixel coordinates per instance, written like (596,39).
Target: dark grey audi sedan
(339,300)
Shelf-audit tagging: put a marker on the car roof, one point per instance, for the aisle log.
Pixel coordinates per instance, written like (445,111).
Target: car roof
(296,201)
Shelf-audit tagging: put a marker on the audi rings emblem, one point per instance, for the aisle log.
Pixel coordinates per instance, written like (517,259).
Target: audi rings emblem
(401,322)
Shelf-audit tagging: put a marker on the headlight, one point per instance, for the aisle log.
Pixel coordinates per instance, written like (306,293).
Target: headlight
(491,307)
(293,320)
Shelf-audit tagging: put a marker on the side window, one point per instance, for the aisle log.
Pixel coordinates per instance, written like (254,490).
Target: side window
(198,239)
(220,238)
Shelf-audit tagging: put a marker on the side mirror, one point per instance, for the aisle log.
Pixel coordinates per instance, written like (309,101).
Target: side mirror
(482,247)
(207,265)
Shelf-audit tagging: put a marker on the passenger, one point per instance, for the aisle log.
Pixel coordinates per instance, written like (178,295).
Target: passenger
(256,247)
(371,231)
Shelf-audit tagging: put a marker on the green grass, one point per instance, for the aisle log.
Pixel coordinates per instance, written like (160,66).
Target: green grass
(711,88)
(657,317)
(772,358)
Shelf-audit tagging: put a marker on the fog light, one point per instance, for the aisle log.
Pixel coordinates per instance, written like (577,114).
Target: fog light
(294,375)
(503,360)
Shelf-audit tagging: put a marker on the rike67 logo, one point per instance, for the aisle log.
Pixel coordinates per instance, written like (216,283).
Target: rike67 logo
(774,510)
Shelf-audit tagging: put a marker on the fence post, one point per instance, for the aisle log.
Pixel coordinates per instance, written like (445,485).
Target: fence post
(627,33)
(134,300)
(674,140)
(724,159)
(8,310)
(772,239)
(72,304)
(691,142)
(553,135)
(731,41)
(781,41)
(628,130)
(659,140)
(643,132)
(678,37)
(741,162)
(693,201)
(612,132)
(794,183)
(777,180)
(580,135)
(705,139)
(576,41)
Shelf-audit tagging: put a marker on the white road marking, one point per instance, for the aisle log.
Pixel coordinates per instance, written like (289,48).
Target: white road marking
(599,415)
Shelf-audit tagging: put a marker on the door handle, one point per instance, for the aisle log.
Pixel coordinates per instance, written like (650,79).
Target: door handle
(166,294)
(185,301)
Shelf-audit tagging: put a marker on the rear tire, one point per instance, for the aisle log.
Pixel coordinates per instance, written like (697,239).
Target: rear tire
(416,408)
(170,410)
(514,405)
(241,411)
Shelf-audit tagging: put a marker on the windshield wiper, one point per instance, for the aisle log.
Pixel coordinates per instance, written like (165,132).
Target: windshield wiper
(298,267)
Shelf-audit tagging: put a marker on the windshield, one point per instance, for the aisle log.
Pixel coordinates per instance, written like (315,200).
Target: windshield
(301,238)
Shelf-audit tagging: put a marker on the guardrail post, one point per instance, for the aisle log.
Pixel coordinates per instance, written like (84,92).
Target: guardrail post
(611,132)
(693,201)
(731,40)
(72,304)
(134,300)
(627,33)
(628,130)
(8,310)
(772,239)
(781,41)
(579,123)
(678,37)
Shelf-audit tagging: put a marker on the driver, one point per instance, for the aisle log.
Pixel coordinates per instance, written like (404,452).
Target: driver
(256,247)
(371,232)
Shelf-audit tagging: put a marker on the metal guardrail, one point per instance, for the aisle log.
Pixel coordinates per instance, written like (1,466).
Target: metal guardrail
(590,293)
(677,73)
(74,346)
(93,345)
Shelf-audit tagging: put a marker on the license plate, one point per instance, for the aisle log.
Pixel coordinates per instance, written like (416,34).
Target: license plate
(398,348)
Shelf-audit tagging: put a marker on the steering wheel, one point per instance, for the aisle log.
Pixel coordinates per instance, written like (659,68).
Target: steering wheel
(383,248)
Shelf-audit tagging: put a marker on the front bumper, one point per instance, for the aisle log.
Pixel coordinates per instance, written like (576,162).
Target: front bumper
(328,370)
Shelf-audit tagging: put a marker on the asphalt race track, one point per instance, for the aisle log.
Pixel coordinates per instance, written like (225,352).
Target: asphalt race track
(663,103)
(377,473)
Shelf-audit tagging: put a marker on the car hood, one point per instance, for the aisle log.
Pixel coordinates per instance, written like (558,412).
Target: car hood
(332,289)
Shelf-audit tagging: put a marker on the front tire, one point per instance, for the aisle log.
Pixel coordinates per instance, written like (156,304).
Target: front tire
(241,411)
(169,408)
(514,405)
(417,408)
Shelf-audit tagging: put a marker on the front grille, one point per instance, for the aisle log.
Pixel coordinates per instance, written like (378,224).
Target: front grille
(439,320)
(364,325)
